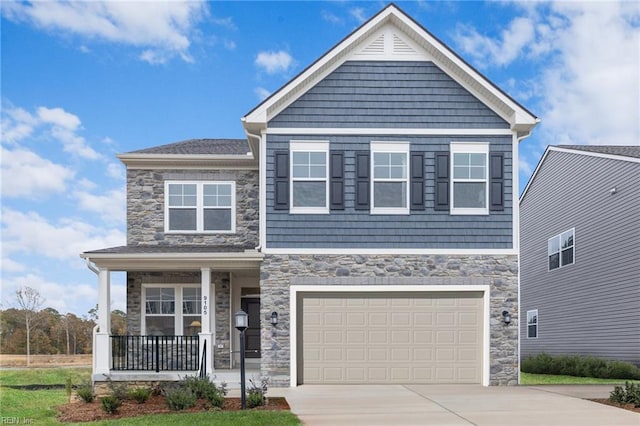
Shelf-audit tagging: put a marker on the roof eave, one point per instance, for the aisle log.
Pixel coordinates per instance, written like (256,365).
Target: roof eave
(174,261)
(164,161)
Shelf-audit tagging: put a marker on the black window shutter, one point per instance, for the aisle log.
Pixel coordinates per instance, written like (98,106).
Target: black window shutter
(442,181)
(417,181)
(362,180)
(496,181)
(281,184)
(336,182)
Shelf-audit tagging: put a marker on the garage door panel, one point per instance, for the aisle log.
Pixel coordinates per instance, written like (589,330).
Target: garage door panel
(391,338)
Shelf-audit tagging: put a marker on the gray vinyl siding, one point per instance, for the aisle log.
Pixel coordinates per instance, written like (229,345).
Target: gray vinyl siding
(386,94)
(593,306)
(352,228)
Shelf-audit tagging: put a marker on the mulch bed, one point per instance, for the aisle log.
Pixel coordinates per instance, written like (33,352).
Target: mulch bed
(629,407)
(87,412)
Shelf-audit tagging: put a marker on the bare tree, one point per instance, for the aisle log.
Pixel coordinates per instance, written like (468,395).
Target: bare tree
(29,300)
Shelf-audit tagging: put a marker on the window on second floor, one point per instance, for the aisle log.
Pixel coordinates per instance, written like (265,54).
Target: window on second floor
(199,207)
(561,249)
(390,183)
(532,324)
(309,177)
(469,188)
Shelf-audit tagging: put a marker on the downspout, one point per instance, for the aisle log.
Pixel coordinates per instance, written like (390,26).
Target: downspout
(261,171)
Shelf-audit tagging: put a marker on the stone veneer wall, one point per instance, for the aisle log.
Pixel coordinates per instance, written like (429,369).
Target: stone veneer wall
(221,282)
(145,207)
(278,272)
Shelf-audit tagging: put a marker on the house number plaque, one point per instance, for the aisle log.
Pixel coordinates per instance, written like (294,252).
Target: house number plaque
(205,308)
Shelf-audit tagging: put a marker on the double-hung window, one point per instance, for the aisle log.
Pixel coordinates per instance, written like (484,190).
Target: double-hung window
(309,177)
(532,324)
(390,171)
(199,207)
(172,310)
(469,188)
(561,249)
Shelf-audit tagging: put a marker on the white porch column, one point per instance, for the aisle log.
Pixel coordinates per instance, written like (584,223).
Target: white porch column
(208,305)
(102,354)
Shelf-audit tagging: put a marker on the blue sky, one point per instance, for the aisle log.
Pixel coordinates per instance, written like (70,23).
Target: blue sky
(83,81)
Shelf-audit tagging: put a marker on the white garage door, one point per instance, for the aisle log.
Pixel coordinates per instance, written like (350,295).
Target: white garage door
(391,338)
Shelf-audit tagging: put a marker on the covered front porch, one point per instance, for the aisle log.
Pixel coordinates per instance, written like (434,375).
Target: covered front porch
(180,306)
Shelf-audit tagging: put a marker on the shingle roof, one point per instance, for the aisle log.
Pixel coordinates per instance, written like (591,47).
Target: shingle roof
(200,147)
(623,150)
(156,249)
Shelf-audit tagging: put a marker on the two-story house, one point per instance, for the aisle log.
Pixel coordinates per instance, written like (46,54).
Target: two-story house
(371,213)
(580,249)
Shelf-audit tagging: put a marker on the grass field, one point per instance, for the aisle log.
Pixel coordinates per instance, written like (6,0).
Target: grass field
(547,379)
(39,406)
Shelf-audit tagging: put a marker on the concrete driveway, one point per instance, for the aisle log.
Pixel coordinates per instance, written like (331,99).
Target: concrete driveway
(453,405)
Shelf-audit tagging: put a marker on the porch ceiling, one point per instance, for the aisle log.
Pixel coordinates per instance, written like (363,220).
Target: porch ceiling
(181,258)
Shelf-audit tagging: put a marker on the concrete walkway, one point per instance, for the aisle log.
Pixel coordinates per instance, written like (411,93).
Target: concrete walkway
(444,405)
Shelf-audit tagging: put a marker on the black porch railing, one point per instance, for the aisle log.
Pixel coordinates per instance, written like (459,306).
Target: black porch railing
(155,353)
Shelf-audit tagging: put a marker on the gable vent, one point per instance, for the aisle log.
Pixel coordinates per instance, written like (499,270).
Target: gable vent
(375,47)
(400,46)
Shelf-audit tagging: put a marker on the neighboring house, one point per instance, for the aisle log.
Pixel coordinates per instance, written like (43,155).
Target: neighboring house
(580,253)
(372,209)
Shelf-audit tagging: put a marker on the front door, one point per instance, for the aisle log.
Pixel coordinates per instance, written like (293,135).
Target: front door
(251,305)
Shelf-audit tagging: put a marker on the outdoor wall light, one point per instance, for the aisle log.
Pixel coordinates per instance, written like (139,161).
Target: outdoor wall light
(274,318)
(506,317)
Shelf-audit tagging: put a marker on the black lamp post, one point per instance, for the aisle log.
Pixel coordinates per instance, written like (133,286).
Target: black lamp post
(242,322)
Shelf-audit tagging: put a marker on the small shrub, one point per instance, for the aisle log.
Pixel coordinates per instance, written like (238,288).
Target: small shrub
(119,390)
(256,394)
(215,394)
(85,392)
(140,395)
(110,404)
(180,398)
(629,394)
(579,366)
(200,386)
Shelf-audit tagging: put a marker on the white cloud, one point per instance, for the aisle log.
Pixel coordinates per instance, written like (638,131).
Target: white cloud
(18,124)
(115,171)
(58,117)
(35,235)
(160,27)
(359,14)
(25,174)
(590,90)
(331,18)
(274,62)
(110,206)
(262,93)
(9,265)
(488,51)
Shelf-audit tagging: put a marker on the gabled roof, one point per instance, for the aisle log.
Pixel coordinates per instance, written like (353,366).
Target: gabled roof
(392,34)
(618,150)
(613,152)
(193,153)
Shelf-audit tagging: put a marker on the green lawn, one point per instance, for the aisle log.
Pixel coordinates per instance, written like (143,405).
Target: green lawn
(547,379)
(39,406)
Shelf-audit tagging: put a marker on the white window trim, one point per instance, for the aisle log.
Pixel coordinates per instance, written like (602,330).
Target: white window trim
(537,323)
(394,147)
(309,146)
(559,236)
(178,323)
(199,207)
(473,148)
